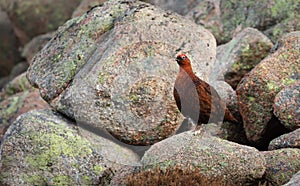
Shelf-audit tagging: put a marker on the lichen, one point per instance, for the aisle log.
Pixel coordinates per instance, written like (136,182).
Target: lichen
(98,169)
(50,146)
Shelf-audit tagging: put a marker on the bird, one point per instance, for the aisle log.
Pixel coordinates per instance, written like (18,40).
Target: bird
(196,99)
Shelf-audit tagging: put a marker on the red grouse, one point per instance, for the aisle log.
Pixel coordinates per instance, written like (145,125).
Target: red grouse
(196,99)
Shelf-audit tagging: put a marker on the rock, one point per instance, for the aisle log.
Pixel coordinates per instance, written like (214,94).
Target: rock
(35,45)
(287,105)
(17,104)
(196,157)
(294,181)
(18,84)
(227,93)
(17,70)
(27,14)
(289,140)
(43,148)
(240,55)
(9,54)
(86,5)
(182,7)
(281,165)
(256,92)
(292,23)
(117,72)
(225,18)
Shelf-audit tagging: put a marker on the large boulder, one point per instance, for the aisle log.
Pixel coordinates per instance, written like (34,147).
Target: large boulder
(43,148)
(47,14)
(256,92)
(192,158)
(114,68)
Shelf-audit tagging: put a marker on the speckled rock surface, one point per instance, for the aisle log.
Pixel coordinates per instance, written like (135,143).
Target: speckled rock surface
(240,55)
(212,157)
(47,14)
(18,84)
(281,165)
(182,7)
(257,91)
(294,181)
(16,98)
(118,70)
(9,54)
(225,18)
(287,105)
(17,104)
(289,140)
(43,148)
(86,5)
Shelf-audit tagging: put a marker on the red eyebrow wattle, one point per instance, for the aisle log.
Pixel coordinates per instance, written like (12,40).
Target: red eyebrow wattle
(181,55)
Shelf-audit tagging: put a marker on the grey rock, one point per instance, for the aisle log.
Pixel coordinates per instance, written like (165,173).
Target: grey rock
(281,165)
(287,105)
(256,92)
(43,148)
(240,55)
(294,181)
(118,70)
(213,157)
(289,140)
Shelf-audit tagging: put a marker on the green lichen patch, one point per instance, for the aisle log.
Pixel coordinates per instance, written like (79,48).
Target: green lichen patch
(49,152)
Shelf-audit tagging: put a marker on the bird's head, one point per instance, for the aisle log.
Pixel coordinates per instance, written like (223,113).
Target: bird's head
(183,60)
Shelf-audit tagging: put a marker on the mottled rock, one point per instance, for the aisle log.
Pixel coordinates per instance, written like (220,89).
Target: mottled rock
(182,7)
(294,181)
(86,5)
(9,54)
(225,18)
(198,154)
(256,91)
(35,45)
(287,105)
(240,55)
(47,14)
(18,84)
(17,104)
(118,70)
(289,140)
(43,148)
(281,165)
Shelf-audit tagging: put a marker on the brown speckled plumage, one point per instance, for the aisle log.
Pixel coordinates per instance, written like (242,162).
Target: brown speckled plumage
(196,99)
